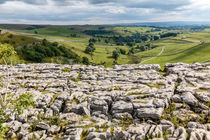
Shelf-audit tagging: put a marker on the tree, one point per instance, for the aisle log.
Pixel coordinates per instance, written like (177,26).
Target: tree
(55,44)
(92,40)
(7,53)
(142,48)
(90,49)
(122,51)
(10,36)
(116,55)
(44,42)
(106,41)
(156,37)
(130,44)
(85,61)
(131,51)
(35,32)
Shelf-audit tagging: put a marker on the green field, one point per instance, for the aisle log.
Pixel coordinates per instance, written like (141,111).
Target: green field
(187,50)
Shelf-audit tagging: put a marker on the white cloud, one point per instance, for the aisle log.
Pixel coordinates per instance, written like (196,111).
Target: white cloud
(101,11)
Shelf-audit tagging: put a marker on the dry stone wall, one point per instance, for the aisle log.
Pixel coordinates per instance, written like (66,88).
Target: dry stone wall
(73,102)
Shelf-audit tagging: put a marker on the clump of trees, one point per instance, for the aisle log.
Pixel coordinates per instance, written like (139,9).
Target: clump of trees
(37,52)
(97,32)
(147,46)
(169,35)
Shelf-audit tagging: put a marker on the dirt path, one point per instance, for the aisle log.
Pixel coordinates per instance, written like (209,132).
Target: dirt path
(163,48)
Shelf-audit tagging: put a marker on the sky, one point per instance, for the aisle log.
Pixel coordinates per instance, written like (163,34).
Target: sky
(102,11)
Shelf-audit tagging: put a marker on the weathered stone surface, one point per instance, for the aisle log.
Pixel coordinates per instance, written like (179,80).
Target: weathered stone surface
(93,102)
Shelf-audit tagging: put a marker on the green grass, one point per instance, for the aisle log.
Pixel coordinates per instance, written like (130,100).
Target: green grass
(197,37)
(197,54)
(55,31)
(130,30)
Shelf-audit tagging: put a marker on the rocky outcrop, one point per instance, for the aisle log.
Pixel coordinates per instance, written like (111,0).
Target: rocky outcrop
(52,101)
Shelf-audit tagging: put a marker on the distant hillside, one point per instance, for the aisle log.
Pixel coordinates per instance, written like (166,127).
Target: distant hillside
(175,23)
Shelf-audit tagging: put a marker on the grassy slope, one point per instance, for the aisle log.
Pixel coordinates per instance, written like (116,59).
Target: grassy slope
(196,54)
(17,40)
(178,49)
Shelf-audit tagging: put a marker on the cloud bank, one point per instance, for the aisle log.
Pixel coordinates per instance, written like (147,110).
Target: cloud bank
(102,11)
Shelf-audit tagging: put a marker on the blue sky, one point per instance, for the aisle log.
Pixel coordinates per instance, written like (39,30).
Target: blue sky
(102,11)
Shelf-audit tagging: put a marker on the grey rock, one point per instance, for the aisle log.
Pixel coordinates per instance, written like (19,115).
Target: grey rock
(122,135)
(93,135)
(180,133)
(35,135)
(122,107)
(189,99)
(99,105)
(177,98)
(43,126)
(122,116)
(153,113)
(73,134)
(56,106)
(202,96)
(54,129)
(14,125)
(81,109)
(199,134)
